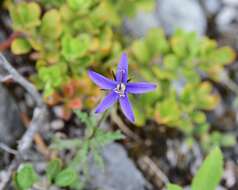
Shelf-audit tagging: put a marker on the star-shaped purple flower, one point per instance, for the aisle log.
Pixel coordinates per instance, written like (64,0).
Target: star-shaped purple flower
(119,88)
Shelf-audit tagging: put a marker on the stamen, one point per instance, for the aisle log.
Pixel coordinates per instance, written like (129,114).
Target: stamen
(121,76)
(120,89)
(114,76)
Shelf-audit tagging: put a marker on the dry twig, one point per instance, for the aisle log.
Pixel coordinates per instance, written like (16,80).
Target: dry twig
(147,165)
(39,118)
(21,80)
(123,127)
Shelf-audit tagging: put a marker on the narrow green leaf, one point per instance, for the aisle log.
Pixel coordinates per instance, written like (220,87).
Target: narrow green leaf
(51,24)
(210,173)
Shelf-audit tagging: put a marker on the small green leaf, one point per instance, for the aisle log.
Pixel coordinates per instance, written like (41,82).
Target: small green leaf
(140,51)
(228,140)
(20,46)
(53,169)
(210,173)
(173,187)
(171,62)
(25,16)
(223,55)
(26,176)
(75,47)
(66,177)
(79,4)
(156,42)
(51,24)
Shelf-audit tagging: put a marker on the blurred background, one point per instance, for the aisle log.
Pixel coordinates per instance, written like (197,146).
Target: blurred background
(187,47)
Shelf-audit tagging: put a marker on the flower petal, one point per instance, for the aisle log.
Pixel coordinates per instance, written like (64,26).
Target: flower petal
(122,69)
(140,87)
(101,81)
(127,108)
(108,101)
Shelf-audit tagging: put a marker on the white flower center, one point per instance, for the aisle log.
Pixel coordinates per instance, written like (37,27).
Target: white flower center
(120,89)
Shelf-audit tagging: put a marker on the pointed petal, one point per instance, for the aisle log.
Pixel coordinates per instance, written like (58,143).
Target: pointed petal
(127,108)
(101,81)
(140,87)
(122,69)
(108,101)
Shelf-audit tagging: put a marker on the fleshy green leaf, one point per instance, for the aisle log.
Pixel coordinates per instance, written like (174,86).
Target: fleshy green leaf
(25,16)
(210,172)
(228,140)
(26,176)
(140,51)
(74,48)
(66,177)
(156,42)
(51,24)
(20,46)
(79,4)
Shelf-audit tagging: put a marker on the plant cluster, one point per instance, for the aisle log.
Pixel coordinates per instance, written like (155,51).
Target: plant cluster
(208,175)
(67,37)
(71,173)
(64,38)
(185,67)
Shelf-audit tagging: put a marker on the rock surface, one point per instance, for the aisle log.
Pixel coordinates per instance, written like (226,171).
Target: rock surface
(10,123)
(231,2)
(119,173)
(141,23)
(211,6)
(227,19)
(227,25)
(185,14)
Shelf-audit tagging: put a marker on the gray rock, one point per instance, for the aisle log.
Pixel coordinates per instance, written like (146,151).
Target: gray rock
(227,25)
(141,23)
(227,20)
(10,123)
(184,14)
(231,2)
(119,172)
(212,6)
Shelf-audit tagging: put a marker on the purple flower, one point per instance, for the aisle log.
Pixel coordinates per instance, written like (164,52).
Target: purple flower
(119,88)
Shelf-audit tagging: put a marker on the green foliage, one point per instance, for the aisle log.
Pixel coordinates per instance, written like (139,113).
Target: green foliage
(51,24)
(20,46)
(91,144)
(66,177)
(25,16)
(210,173)
(25,177)
(72,35)
(53,168)
(74,48)
(173,187)
(218,139)
(68,36)
(52,77)
(178,65)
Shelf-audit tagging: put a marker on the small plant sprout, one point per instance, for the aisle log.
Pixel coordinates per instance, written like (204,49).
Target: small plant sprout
(119,88)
